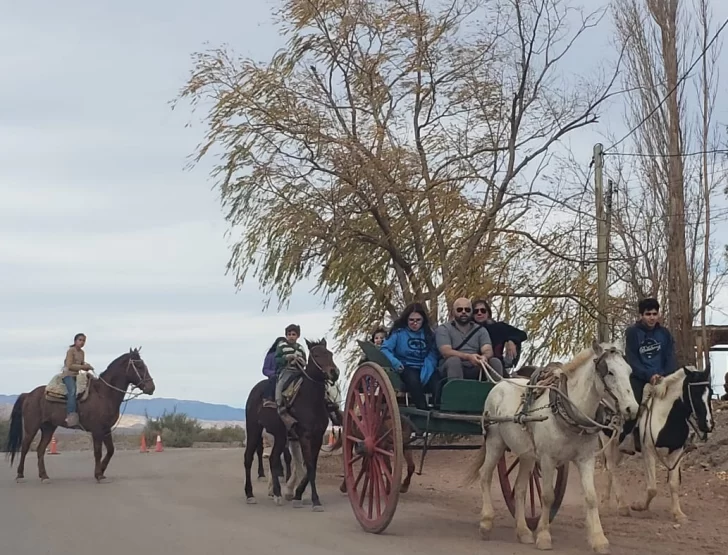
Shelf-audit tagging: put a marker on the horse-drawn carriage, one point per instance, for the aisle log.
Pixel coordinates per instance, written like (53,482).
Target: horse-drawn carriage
(373,440)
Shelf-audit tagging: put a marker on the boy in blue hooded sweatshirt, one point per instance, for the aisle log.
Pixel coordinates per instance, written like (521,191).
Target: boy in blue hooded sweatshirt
(650,351)
(412,350)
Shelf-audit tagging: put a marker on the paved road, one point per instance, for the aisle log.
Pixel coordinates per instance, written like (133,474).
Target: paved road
(191,502)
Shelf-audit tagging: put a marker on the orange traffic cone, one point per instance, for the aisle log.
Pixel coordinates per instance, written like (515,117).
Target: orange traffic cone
(54,447)
(159,448)
(143,448)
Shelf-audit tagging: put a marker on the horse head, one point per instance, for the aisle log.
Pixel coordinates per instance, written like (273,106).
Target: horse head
(614,371)
(137,373)
(321,365)
(697,394)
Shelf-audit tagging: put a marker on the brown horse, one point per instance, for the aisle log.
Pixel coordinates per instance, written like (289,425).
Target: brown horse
(97,414)
(310,410)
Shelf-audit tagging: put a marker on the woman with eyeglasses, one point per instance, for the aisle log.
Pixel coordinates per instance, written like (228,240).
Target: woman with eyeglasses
(412,351)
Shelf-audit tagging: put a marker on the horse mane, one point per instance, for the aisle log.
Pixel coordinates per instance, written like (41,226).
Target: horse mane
(315,343)
(113,363)
(578,361)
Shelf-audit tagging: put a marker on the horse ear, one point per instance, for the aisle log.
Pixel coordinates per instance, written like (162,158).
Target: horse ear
(308,344)
(596,347)
(323,342)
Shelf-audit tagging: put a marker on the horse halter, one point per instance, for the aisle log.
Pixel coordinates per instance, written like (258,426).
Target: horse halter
(132,362)
(318,366)
(693,415)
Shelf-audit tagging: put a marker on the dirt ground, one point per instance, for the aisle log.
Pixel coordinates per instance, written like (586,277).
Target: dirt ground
(191,501)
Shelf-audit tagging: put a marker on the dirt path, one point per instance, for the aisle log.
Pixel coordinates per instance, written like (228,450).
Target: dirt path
(191,502)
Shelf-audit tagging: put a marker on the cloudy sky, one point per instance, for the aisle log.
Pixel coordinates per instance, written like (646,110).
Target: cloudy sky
(101,228)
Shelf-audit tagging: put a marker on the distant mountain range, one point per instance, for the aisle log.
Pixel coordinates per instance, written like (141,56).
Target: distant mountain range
(156,407)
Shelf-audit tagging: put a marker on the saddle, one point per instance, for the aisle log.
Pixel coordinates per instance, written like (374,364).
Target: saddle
(290,392)
(57,392)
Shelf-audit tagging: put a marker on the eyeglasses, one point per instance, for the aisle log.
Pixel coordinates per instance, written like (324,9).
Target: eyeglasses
(415,320)
(460,309)
(481,311)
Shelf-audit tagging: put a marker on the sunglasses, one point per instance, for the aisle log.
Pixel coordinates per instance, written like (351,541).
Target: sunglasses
(481,311)
(465,309)
(415,320)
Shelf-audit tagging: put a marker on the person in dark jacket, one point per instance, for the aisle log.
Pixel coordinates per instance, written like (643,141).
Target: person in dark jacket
(650,351)
(269,370)
(412,350)
(506,339)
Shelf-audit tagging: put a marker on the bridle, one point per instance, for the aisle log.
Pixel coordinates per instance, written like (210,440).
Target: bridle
(311,358)
(131,363)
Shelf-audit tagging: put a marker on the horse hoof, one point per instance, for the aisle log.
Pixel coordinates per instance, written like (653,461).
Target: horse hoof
(45,480)
(297,504)
(261,478)
(681,519)
(544,543)
(404,489)
(251,501)
(289,497)
(278,501)
(526,537)
(624,511)
(484,532)
(637,506)
(602,549)
(317,509)
(103,480)
(307,502)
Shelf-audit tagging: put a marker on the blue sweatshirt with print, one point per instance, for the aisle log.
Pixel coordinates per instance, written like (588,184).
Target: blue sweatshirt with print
(650,351)
(405,347)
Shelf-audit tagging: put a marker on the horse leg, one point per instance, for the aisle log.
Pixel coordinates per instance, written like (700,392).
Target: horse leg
(259,452)
(276,469)
(612,458)
(254,434)
(305,443)
(597,539)
(494,449)
(316,442)
(28,436)
(674,480)
(410,471)
(525,469)
(543,530)
(45,440)
(287,460)
(109,444)
(648,458)
(98,440)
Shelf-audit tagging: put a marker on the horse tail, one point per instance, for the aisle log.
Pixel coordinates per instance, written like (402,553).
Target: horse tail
(474,471)
(15,434)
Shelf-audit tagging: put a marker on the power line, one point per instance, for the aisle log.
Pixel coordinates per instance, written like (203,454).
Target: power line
(667,155)
(669,94)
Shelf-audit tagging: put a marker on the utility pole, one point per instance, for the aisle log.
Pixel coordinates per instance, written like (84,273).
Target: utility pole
(602,244)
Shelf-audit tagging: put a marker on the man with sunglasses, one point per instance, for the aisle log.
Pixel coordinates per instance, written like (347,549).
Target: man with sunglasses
(650,351)
(464,344)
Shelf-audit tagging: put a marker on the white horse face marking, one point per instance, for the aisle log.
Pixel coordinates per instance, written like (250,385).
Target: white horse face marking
(616,379)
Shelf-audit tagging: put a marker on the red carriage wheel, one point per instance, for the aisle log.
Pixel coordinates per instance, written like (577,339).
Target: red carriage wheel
(372,444)
(509,468)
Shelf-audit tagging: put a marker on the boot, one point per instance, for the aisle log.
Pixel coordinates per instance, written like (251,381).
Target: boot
(72,419)
(289,422)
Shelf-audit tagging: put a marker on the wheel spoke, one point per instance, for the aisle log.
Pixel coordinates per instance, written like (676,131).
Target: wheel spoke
(377,479)
(363,494)
(384,436)
(371,477)
(386,472)
(362,472)
(381,451)
(514,465)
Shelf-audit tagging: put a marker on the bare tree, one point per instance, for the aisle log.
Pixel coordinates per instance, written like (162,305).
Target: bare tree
(662,214)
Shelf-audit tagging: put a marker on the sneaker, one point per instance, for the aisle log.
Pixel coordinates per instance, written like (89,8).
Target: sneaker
(72,420)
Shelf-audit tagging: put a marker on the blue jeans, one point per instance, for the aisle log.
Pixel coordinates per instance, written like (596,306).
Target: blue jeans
(70,382)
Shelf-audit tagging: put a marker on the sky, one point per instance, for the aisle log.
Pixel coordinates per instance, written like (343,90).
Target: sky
(103,230)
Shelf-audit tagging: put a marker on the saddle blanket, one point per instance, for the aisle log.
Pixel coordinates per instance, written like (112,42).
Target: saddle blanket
(289,394)
(56,391)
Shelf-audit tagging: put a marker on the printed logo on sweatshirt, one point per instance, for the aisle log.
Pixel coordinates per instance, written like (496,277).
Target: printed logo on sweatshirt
(650,348)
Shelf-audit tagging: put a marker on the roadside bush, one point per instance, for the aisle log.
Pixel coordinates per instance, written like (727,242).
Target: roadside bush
(180,430)
(176,429)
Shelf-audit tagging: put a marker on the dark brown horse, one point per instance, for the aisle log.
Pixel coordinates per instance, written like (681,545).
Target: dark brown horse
(310,410)
(97,414)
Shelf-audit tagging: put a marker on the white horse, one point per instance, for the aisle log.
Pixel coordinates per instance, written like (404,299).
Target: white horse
(669,409)
(569,435)
(297,469)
